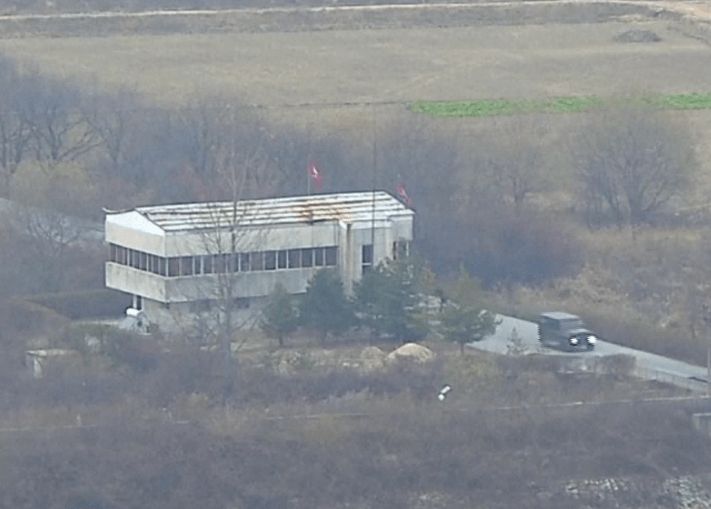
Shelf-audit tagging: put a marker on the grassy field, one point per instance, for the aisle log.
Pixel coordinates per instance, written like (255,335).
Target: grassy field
(326,69)
(493,107)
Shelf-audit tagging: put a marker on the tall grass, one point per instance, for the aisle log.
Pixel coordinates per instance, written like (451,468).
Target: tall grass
(570,104)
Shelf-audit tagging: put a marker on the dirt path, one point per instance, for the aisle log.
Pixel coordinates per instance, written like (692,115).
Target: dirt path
(353,17)
(701,10)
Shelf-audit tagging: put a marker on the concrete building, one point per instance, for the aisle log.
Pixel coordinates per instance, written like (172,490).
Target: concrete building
(179,260)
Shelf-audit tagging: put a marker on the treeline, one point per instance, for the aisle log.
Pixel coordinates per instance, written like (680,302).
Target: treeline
(75,150)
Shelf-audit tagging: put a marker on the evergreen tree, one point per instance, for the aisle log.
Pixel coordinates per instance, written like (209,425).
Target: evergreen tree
(325,307)
(464,319)
(389,300)
(279,317)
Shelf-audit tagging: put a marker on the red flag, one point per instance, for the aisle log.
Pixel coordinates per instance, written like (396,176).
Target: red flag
(401,192)
(315,175)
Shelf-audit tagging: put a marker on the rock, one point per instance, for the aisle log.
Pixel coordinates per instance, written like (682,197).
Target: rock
(410,352)
(637,36)
(372,358)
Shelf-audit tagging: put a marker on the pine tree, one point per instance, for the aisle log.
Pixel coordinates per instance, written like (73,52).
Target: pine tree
(279,317)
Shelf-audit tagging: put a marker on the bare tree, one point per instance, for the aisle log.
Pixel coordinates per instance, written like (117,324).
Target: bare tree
(59,127)
(113,119)
(49,212)
(228,244)
(14,128)
(632,162)
(510,160)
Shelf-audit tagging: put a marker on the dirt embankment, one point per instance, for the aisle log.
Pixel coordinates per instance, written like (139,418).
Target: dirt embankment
(326,18)
(694,19)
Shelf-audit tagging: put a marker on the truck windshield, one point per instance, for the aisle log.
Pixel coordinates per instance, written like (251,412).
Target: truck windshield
(572,324)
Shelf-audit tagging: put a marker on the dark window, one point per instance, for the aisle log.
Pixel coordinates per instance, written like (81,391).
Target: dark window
(207,265)
(186,266)
(234,262)
(281,259)
(269,260)
(332,256)
(367,254)
(318,257)
(161,266)
(173,267)
(400,249)
(307,257)
(143,261)
(200,306)
(367,257)
(257,260)
(242,303)
(121,255)
(244,262)
(294,258)
(112,253)
(134,259)
(221,263)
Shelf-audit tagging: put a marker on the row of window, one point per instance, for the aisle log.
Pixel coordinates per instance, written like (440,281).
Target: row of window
(225,263)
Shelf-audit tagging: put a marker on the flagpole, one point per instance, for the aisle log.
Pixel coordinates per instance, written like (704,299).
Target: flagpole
(375,165)
(308,176)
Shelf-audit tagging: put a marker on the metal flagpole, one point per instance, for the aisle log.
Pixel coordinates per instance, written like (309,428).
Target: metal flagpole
(375,164)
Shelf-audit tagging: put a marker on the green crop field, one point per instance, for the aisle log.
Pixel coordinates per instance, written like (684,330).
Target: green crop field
(494,107)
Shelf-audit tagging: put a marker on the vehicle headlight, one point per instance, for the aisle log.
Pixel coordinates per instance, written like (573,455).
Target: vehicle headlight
(592,339)
(573,340)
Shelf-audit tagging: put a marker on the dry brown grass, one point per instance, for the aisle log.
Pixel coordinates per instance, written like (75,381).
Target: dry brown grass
(380,65)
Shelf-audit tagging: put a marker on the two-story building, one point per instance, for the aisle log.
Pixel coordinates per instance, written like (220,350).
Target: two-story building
(178,261)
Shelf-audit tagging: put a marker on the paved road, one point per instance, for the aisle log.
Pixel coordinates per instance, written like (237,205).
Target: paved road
(648,365)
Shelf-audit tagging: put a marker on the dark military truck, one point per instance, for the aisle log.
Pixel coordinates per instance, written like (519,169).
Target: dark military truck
(564,331)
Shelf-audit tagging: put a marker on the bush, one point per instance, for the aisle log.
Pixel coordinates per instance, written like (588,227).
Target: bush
(28,318)
(523,249)
(122,348)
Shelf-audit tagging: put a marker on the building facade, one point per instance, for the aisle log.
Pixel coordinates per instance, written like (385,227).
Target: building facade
(179,260)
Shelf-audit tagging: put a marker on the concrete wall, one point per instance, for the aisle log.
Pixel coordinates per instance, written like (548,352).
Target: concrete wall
(136,282)
(180,318)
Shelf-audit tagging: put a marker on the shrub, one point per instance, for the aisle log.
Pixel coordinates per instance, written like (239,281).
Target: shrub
(527,249)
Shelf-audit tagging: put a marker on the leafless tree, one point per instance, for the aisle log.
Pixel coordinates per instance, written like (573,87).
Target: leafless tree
(59,127)
(114,118)
(238,166)
(14,128)
(632,162)
(509,159)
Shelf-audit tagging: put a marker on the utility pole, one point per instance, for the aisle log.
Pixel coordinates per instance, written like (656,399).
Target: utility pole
(707,323)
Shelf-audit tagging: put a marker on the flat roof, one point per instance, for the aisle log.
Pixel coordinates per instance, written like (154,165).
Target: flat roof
(351,208)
